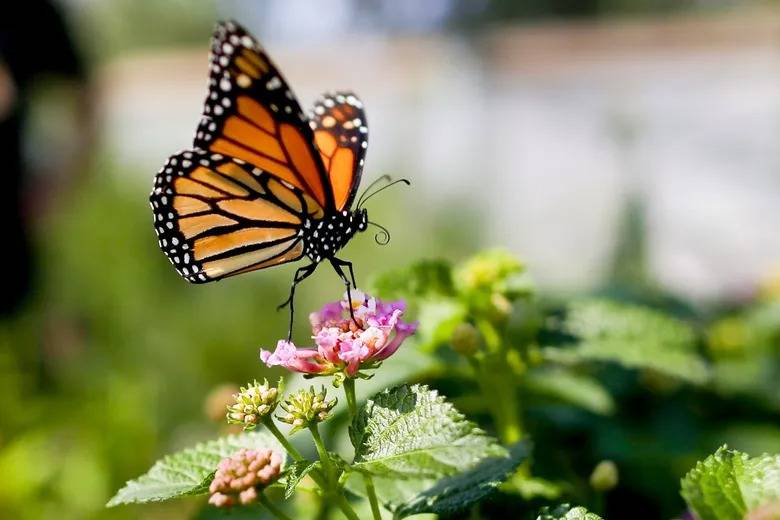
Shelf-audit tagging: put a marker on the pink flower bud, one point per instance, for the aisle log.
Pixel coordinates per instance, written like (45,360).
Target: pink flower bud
(239,476)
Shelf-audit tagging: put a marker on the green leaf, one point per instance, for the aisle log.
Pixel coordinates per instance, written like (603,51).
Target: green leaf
(189,472)
(412,432)
(631,335)
(457,492)
(421,279)
(529,487)
(577,389)
(566,512)
(295,473)
(729,484)
(438,319)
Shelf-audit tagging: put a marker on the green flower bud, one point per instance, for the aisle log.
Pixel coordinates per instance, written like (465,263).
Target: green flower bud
(729,337)
(465,339)
(488,271)
(604,476)
(306,407)
(252,403)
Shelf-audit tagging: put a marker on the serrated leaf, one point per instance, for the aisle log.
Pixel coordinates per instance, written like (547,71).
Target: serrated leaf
(457,492)
(634,336)
(566,512)
(189,472)
(295,473)
(413,432)
(729,483)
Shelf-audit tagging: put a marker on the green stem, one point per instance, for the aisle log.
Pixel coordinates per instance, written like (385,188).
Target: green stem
(275,511)
(372,496)
(497,385)
(598,505)
(346,508)
(324,481)
(349,391)
(295,454)
(333,488)
(323,453)
(269,423)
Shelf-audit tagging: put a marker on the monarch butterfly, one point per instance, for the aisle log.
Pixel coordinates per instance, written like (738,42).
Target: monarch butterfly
(264,184)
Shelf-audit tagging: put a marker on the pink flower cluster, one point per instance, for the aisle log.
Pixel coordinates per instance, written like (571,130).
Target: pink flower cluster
(238,477)
(344,344)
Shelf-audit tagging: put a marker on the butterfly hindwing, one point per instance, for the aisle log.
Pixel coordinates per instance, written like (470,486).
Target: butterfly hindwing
(252,114)
(217,216)
(341,134)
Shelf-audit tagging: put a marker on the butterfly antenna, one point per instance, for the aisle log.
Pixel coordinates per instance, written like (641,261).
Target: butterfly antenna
(368,188)
(383,236)
(366,197)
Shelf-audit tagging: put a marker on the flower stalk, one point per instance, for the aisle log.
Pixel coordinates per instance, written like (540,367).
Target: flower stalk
(371,492)
(349,392)
(333,488)
(327,465)
(294,453)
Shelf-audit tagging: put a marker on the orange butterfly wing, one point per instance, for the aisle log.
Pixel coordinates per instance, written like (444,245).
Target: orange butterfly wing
(218,216)
(250,113)
(341,134)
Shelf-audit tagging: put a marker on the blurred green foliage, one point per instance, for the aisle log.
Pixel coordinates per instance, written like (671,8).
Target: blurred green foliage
(651,386)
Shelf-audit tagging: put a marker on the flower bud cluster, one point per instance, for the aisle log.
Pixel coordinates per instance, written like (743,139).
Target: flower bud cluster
(306,407)
(238,477)
(252,403)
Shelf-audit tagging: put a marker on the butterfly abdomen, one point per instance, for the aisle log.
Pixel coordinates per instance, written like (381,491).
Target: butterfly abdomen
(322,238)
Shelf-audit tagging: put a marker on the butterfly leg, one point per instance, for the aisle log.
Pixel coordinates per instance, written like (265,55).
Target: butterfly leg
(300,275)
(348,265)
(352,274)
(337,264)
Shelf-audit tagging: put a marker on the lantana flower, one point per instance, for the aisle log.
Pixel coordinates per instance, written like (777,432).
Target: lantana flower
(239,476)
(344,344)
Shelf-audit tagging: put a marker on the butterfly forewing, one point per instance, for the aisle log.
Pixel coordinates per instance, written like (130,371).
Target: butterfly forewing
(217,216)
(252,114)
(341,134)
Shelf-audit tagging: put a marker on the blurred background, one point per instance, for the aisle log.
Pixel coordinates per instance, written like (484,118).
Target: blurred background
(604,142)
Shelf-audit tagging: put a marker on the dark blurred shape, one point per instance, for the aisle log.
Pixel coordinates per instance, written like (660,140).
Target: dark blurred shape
(34,44)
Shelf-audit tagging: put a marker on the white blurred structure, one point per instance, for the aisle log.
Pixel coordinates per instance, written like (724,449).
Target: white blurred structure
(545,129)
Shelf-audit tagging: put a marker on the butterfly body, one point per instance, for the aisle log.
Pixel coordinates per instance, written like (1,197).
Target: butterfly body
(323,238)
(264,184)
